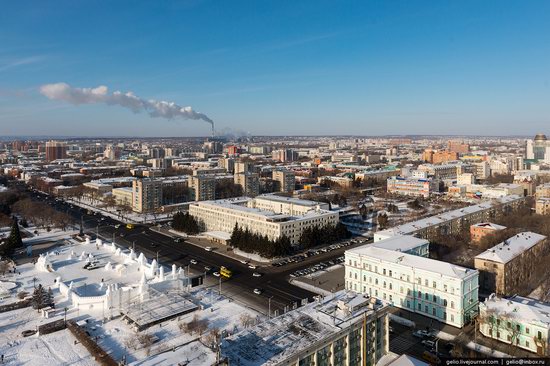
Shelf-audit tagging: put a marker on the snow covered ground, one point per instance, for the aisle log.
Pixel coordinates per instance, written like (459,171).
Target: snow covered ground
(172,344)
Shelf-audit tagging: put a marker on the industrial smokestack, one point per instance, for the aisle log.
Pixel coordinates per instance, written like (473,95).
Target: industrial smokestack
(164,109)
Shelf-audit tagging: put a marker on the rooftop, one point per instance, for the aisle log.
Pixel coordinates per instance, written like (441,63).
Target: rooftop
(512,247)
(281,338)
(489,225)
(413,261)
(521,308)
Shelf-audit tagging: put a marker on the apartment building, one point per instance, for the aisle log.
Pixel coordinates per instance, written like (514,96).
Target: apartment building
(453,222)
(55,150)
(543,191)
(542,206)
(266,215)
(147,195)
(344,328)
(411,186)
(508,266)
(482,229)
(518,321)
(285,179)
(203,187)
(249,182)
(123,195)
(435,289)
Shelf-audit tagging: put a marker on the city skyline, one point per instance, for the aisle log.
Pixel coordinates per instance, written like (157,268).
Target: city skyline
(366,69)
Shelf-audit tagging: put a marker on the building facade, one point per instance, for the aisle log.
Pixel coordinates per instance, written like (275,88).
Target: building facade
(438,290)
(508,267)
(249,182)
(416,187)
(518,321)
(538,149)
(147,195)
(55,150)
(285,179)
(481,230)
(345,329)
(266,215)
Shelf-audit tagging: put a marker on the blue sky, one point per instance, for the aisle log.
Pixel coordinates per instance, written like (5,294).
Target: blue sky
(280,67)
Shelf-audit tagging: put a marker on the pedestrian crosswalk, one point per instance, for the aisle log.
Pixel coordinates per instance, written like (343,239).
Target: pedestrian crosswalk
(401,344)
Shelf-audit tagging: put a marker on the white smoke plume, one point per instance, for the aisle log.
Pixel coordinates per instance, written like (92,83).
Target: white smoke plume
(169,110)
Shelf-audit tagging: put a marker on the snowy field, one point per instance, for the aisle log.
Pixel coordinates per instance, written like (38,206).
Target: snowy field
(171,345)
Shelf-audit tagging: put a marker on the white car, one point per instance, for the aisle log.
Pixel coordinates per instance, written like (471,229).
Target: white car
(117,226)
(208,249)
(256,274)
(251,266)
(193,261)
(258,291)
(217,274)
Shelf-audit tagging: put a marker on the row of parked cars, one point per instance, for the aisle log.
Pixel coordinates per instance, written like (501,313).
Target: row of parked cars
(317,267)
(316,251)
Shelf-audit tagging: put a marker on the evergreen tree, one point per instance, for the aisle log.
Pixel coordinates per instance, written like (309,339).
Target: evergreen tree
(13,242)
(38,297)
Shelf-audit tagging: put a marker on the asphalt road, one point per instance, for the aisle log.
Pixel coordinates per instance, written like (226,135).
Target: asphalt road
(276,294)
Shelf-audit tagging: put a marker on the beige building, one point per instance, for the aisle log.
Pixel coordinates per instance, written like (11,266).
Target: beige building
(147,195)
(508,266)
(249,182)
(204,187)
(542,206)
(123,196)
(344,329)
(286,180)
(481,230)
(543,191)
(268,215)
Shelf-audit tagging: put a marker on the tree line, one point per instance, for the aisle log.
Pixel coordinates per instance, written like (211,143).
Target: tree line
(186,223)
(323,235)
(259,244)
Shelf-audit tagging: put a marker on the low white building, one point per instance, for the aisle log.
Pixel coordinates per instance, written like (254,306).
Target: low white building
(412,186)
(439,290)
(269,215)
(518,320)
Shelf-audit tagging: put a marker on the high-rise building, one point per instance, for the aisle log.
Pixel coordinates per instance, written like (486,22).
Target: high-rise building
(204,187)
(538,149)
(285,179)
(249,182)
(55,150)
(147,195)
(458,147)
(284,155)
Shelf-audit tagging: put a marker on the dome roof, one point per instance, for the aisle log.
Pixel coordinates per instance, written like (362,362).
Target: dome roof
(540,137)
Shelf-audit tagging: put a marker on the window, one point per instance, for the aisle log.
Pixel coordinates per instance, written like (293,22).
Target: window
(384,284)
(508,325)
(350,275)
(509,337)
(419,307)
(408,304)
(427,296)
(527,343)
(419,280)
(390,286)
(419,294)
(376,281)
(539,335)
(390,273)
(376,269)
(355,275)
(452,318)
(426,282)
(384,271)
(376,293)
(384,295)
(364,278)
(433,311)
(425,308)
(527,330)
(444,315)
(434,285)
(401,289)
(452,304)
(391,298)
(498,334)
(355,263)
(444,302)
(445,288)
(408,278)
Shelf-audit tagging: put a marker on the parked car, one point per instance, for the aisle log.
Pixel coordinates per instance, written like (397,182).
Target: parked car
(428,344)
(256,274)
(208,249)
(217,274)
(193,261)
(251,266)
(258,291)
(207,268)
(421,333)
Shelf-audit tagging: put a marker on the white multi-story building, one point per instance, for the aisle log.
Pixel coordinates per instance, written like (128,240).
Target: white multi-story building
(417,187)
(538,149)
(286,180)
(268,215)
(345,329)
(439,290)
(519,321)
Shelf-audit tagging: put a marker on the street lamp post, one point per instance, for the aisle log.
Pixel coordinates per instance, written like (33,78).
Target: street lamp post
(269,307)
(220,288)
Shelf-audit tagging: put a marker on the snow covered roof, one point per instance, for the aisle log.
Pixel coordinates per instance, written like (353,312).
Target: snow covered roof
(512,247)
(414,226)
(400,243)
(489,225)
(522,308)
(281,338)
(415,262)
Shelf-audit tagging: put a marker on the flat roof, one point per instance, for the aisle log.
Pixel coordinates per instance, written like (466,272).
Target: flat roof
(283,337)
(414,226)
(400,243)
(414,261)
(523,309)
(512,247)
